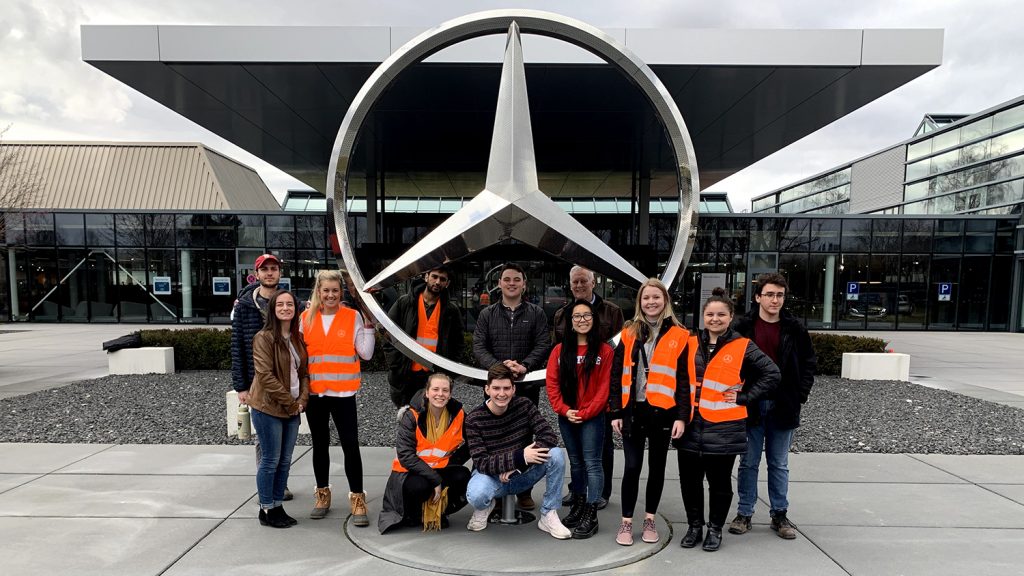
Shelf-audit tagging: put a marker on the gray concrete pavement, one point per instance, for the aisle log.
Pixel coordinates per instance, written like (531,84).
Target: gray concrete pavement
(985,365)
(37,357)
(174,510)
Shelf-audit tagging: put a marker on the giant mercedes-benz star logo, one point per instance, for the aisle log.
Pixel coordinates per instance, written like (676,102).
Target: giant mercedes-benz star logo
(511,205)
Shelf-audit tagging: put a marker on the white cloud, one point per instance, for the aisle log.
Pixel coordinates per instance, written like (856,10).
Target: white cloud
(46,91)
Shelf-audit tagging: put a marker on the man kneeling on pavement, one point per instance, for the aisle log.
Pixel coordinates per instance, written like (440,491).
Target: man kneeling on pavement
(505,461)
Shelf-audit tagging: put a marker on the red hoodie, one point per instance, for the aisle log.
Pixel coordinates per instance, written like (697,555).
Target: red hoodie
(592,395)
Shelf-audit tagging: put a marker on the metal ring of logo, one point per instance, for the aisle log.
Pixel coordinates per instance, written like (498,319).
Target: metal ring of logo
(489,23)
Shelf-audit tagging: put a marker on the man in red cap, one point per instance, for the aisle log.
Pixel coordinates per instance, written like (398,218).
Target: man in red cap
(247,319)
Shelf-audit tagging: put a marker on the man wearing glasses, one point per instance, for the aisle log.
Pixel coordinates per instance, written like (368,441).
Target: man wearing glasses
(771,424)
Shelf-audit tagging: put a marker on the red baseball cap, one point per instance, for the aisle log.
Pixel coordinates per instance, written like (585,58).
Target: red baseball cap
(264,258)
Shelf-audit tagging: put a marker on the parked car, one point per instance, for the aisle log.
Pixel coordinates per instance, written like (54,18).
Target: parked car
(904,305)
(870,305)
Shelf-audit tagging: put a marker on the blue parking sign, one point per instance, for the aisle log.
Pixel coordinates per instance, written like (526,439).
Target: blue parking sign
(852,291)
(945,291)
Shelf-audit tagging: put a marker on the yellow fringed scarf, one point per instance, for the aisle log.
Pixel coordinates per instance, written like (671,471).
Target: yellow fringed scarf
(432,511)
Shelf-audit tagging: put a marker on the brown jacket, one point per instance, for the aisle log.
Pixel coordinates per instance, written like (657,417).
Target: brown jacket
(271,389)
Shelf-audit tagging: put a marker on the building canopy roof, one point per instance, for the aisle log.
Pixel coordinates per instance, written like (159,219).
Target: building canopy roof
(139,176)
(281,92)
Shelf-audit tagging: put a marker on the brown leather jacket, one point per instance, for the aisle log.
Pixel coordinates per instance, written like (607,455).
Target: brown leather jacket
(271,389)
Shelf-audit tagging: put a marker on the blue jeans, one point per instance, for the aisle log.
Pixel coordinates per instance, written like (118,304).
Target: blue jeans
(584,443)
(483,488)
(277,440)
(775,443)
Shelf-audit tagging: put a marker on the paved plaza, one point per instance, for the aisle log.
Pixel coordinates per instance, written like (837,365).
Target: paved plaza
(169,509)
(174,510)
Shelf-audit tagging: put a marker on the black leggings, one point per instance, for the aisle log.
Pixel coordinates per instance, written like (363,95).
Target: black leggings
(417,489)
(643,429)
(319,413)
(693,467)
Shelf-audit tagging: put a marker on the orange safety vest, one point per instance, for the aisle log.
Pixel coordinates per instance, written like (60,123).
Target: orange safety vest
(661,374)
(435,455)
(721,374)
(427,330)
(333,361)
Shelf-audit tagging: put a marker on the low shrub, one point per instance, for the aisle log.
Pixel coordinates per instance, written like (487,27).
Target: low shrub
(210,349)
(830,348)
(195,348)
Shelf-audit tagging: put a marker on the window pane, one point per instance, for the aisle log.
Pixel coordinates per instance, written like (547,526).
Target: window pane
(222,230)
(917,235)
(856,235)
(130,231)
(189,230)
(825,235)
(160,229)
(1009,118)
(912,300)
(250,231)
(948,236)
(281,231)
(70,229)
(919,149)
(99,229)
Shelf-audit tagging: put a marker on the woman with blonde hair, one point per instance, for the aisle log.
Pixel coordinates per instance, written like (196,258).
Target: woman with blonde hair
(336,338)
(646,404)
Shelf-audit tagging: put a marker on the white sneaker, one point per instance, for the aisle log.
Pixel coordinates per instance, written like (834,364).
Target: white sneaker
(551,524)
(478,521)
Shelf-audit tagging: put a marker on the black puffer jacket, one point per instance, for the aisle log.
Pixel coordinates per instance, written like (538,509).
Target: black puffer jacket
(797,363)
(663,418)
(406,314)
(760,377)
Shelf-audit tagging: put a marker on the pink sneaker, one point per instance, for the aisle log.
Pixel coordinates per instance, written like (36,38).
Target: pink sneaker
(625,535)
(650,534)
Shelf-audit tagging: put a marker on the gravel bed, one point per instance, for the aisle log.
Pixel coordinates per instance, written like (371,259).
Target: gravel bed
(188,408)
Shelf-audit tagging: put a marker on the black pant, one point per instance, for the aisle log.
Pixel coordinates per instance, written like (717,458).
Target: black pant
(411,382)
(319,413)
(643,429)
(608,458)
(417,489)
(693,467)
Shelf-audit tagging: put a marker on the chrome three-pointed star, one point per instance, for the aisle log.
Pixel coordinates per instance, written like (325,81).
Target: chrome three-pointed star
(511,206)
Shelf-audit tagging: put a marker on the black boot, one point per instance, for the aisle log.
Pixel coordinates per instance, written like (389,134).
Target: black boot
(276,518)
(572,519)
(291,521)
(714,538)
(694,534)
(587,526)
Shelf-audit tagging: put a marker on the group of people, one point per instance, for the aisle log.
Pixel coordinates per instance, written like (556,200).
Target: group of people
(733,388)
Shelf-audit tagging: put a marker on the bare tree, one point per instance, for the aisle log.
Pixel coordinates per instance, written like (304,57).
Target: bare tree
(20,183)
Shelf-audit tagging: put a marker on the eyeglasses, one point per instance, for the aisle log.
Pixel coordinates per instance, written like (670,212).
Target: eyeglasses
(585,317)
(773,295)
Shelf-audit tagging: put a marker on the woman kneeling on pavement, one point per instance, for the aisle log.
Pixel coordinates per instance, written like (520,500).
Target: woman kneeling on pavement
(428,481)
(578,378)
(727,373)
(279,393)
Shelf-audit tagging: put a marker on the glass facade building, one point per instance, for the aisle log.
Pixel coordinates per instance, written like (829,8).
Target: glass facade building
(967,165)
(907,272)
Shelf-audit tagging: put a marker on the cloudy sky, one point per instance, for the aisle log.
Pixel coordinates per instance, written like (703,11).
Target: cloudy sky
(47,92)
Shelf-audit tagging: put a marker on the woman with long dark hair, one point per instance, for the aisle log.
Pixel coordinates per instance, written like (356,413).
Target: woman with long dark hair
(578,380)
(726,373)
(278,395)
(646,403)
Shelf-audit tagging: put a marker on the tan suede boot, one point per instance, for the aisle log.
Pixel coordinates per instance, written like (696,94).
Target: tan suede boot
(358,504)
(323,503)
